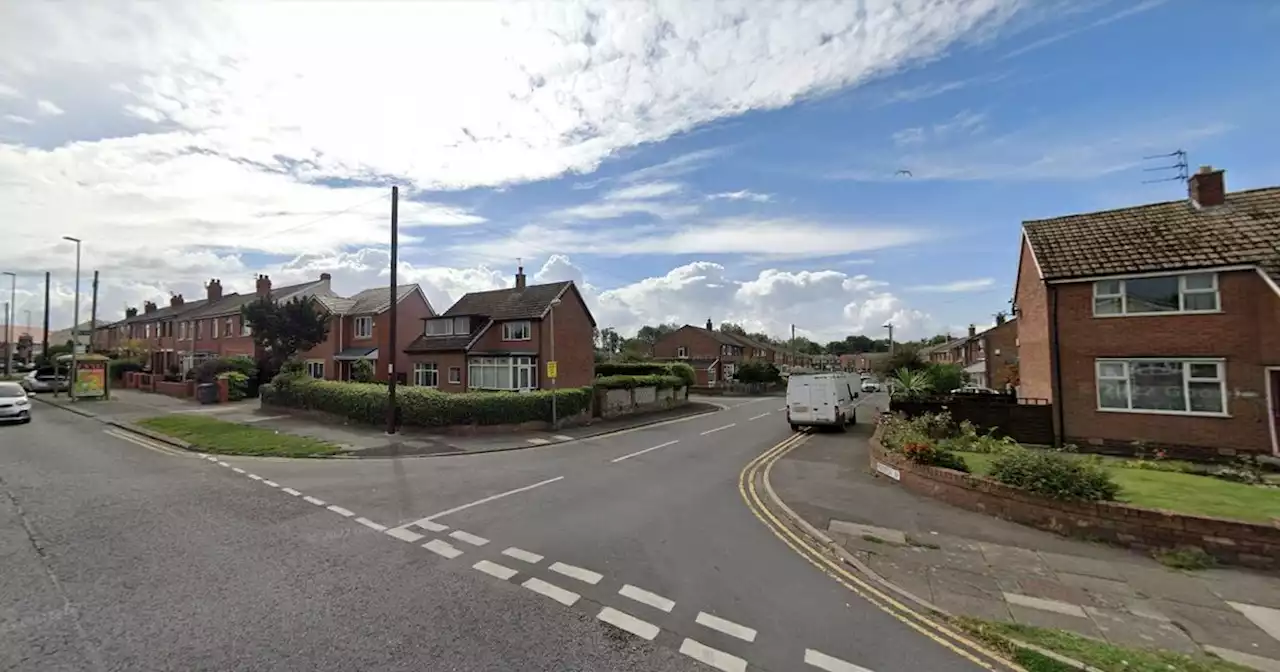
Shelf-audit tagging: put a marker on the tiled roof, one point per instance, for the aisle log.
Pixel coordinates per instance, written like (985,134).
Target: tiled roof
(377,300)
(337,305)
(167,312)
(232,303)
(443,343)
(1176,235)
(529,303)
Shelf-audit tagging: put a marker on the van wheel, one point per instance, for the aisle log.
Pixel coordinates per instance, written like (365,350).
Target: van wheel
(795,427)
(842,426)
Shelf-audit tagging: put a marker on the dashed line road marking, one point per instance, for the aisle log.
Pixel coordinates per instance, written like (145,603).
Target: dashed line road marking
(488,499)
(631,624)
(469,538)
(223,464)
(495,570)
(444,548)
(521,554)
(713,657)
(254,477)
(645,597)
(404,535)
(539,442)
(562,437)
(782,409)
(565,597)
(718,429)
(372,525)
(642,452)
(238,470)
(341,511)
(313,500)
(727,627)
(270,483)
(584,575)
(822,661)
(430,526)
(290,491)
(757,417)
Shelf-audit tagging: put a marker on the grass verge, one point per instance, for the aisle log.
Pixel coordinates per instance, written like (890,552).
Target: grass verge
(1103,656)
(229,438)
(1173,491)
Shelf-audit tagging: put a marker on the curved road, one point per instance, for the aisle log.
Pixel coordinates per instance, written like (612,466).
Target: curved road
(634,551)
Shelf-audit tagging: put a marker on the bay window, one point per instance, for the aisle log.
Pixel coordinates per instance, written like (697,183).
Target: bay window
(1187,293)
(502,373)
(1185,387)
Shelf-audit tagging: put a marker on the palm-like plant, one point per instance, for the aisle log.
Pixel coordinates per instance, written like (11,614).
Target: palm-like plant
(908,384)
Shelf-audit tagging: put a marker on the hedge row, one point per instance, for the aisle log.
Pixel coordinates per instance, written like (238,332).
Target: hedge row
(678,369)
(625,382)
(422,407)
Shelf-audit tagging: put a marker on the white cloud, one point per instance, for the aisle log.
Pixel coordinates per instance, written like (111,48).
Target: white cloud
(909,136)
(7,91)
(49,108)
(1129,10)
(963,123)
(956,286)
(641,198)
(743,195)
(13,118)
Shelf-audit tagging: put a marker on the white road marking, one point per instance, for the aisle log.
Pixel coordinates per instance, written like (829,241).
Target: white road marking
(1266,618)
(223,464)
(254,477)
(341,511)
(270,483)
(727,627)
(404,535)
(782,409)
(562,437)
(313,500)
(645,597)
(584,575)
(238,470)
(718,429)
(521,554)
(145,443)
(488,499)
(469,538)
(539,442)
(211,458)
(757,417)
(713,657)
(822,661)
(430,526)
(631,624)
(441,547)
(565,597)
(371,525)
(494,569)
(642,452)
(263,419)
(290,491)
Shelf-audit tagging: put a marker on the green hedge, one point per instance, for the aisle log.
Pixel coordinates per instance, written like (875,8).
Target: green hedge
(116,368)
(422,407)
(679,369)
(623,382)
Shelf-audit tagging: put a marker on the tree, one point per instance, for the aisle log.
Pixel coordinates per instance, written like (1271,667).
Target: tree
(904,357)
(281,330)
(634,350)
(732,328)
(651,334)
(23,351)
(609,340)
(362,371)
(757,371)
(945,377)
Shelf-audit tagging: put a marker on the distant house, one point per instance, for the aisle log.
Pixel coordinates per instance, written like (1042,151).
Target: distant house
(716,355)
(1157,323)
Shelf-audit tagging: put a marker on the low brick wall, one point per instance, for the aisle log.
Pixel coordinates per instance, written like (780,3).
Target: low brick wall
(182,390)
(1230,541)
(578,419)
(617,403)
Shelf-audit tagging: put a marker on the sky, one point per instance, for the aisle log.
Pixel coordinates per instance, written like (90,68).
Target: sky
(681,161)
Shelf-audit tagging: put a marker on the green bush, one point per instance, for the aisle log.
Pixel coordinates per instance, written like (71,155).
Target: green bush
(622,382)
(1055,475)
(423,407)
(679,369)
(117,368)
(237,385)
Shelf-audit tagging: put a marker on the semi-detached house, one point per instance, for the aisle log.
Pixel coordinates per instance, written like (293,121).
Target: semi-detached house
(716,355)
(1158,323)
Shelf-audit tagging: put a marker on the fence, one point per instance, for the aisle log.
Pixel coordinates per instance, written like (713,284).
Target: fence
(1023,420)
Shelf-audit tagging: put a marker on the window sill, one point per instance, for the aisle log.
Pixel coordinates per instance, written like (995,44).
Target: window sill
(1185,414)
(362,338)
(1172,313)
(516,340)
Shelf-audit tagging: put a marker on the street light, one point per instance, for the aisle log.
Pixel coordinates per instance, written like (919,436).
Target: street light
(8,323)
(554,385)
(75,328)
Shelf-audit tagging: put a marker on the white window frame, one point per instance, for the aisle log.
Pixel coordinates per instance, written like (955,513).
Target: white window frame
(245,329)
(199,331)
(1183,290)
(682,351)
(455,375)
(511,331)
(229,327)
(213,328)
(315,368)
(1187,379)
(426,374)
(516,367)
(449,324)
(363,326)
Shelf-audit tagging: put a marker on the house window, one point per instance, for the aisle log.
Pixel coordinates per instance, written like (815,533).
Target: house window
(1191,386)
(502,373)
(438,328)
(229,327)
(213,328)
(682,351)
(711,374)
(516,331)
(728,371)
(315,368)
(425,374)
(199,325)
(245,329)
(455,375)
(364,327)
(147,331)
(1189,293)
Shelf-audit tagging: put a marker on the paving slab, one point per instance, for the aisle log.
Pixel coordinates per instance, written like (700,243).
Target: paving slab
(860,530)
(1124,629)
(946,579)
(1075,564)
(1040,618)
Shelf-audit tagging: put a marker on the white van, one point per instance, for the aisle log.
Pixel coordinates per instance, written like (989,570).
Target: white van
(821,399)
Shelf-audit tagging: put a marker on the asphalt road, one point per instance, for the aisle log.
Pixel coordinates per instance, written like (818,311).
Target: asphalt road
(495,562)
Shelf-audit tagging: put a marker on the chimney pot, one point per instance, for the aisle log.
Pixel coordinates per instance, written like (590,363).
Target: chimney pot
(326,276)
(149,307)
(710,327)
(130,312)
(520,279)
(1207,188)
(213,290)
(264,285)
(175,301)
(973,331)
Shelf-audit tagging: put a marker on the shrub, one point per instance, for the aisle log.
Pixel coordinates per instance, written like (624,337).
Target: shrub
(679,369)
(908,384)
(621,382)
(423,407)
(117,368)
(212,369)
(362,371)
(757,371)
(922,452)
(237,385)
(1055,475)
(945,377)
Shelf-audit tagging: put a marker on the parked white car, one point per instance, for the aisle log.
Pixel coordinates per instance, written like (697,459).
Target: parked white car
(870,386)
(14,404)
(970,388)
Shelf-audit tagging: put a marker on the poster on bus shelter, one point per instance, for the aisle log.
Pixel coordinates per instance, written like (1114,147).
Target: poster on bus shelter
(91,379)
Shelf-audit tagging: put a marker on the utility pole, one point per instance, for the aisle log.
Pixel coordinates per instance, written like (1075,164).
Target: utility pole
(44,331)
(395,254)
(555,378)
(889,326)
(9,319)
(93,313)
(75,328)
(7,347)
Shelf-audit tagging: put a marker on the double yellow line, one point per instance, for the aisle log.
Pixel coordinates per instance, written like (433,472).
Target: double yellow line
(758,470)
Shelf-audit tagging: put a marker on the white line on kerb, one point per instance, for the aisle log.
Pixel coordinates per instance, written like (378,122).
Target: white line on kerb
(488,499)
(372,525)
(444,548)
(727,627)
(631,624)
(562,437)
(521,554)
(717,429)
(713,657)
(642,452)
(584,575)
(757,417)
(822,661)
(403,534)
(565,597)
(469,538)
(313,500)
(539,442)
(341,511)
(290,491)
(494,569)
(645,597)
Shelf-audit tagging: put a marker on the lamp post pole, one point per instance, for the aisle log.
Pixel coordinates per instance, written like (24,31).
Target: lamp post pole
(9,320)
(554,383)
(75,328)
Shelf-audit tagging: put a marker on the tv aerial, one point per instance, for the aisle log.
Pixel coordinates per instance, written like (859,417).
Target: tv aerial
(1179,165)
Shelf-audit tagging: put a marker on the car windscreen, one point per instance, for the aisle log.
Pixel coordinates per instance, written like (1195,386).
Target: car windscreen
(10,391)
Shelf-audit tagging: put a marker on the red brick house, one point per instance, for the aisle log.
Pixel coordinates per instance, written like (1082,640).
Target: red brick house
(156,330)
(360,329)
(1000,345)
(503,340)
(714,355)
(1157,323)
(217,328)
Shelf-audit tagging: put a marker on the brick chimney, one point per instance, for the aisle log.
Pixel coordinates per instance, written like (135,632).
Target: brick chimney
(130,312)
(973,331)
(999,319)
(1207,188)
(149,307)
(175,301)
(213,290)
(264,285)
(710,327)
(520,279)
(326,279)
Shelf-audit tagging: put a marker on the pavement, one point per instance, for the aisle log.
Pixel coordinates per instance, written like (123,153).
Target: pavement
(972,564)
(632,551)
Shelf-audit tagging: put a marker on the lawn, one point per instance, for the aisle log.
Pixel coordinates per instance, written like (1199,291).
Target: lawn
(215,436)
(1173,491)
(1100,655)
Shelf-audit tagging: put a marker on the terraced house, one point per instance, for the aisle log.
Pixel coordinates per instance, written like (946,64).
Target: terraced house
(1158,323)
(716,355)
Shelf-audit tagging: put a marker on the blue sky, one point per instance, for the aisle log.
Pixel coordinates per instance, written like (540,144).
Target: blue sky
(731,174)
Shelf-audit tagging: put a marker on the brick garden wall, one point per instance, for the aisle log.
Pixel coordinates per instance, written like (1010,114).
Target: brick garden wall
(617,403)
(1230,541)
